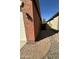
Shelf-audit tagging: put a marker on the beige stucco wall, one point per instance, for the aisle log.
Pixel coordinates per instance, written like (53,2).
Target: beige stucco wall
(22,32)
(54,23)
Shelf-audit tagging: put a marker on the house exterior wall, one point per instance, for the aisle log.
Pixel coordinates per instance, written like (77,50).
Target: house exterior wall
(37,21)
(53,24)
(38,4)
(23,39)
(31,20)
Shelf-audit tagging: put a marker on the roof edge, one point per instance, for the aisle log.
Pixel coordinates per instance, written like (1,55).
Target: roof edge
(57,14)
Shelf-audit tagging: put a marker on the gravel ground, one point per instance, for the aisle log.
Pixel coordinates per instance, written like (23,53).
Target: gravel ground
(47,48)
(35,51)
(53,52)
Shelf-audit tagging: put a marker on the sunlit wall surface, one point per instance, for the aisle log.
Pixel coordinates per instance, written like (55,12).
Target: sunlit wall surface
(22,32)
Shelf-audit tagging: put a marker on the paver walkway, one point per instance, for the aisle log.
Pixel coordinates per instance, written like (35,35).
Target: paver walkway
(47,48)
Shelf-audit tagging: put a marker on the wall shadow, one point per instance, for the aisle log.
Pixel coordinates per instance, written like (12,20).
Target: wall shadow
(29,17)
(44,32)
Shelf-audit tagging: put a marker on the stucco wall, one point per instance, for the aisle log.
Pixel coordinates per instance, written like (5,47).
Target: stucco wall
(23,38)
(37,21)
(31,20)
(54,23)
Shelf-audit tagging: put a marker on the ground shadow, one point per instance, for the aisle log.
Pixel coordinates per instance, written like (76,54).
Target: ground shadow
(44,32)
